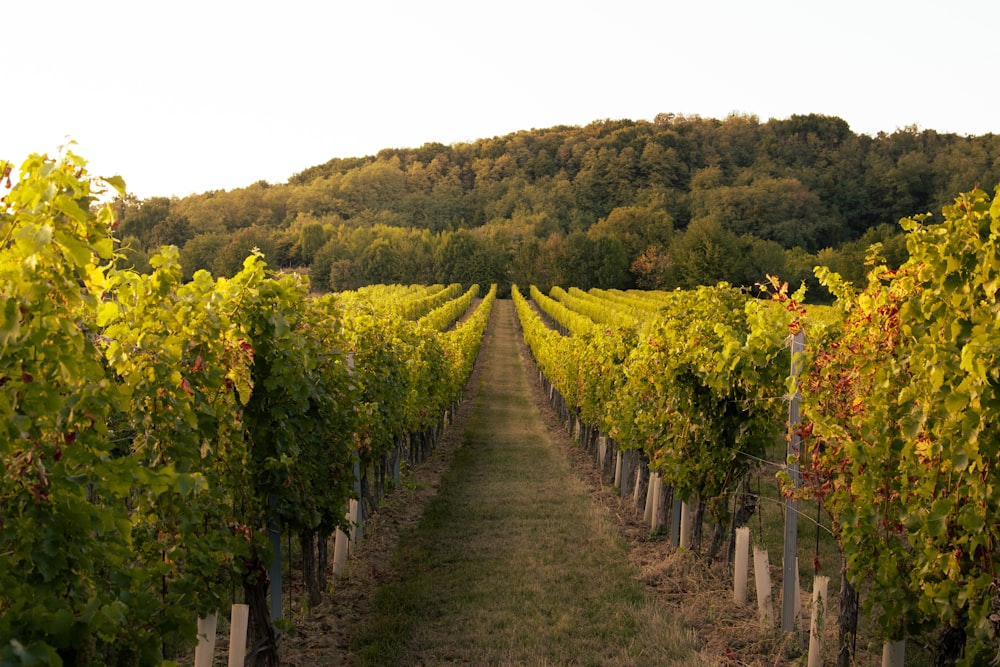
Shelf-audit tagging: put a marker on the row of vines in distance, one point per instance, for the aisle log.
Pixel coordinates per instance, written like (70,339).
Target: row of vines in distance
(696,390)
(152,429)
(900,411)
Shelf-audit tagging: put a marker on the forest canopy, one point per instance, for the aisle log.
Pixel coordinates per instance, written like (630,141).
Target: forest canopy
(677,201)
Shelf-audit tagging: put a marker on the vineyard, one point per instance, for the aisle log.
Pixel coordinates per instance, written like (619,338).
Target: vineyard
(159,437)
(899,406)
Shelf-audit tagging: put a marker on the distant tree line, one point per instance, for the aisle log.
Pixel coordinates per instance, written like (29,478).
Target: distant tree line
(674,202)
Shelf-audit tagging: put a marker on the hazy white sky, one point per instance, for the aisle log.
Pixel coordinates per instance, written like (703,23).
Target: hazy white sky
(181,97)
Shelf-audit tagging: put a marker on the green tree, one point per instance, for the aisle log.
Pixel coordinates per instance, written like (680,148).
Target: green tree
(757,259)
(636,228)
(174,230)
(201,251)
(704,254)
(141,221)
(610,268)
(344,275)
(416,255)
(379,263)
(468,258)
(311,238)
(378,186)
(319,270)
(453,258)
(586,262)
(780,210)
(230,257)
(662,167)
(527,266)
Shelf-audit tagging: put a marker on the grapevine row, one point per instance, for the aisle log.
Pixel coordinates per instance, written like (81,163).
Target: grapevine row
(152,430)
(902,406)
(596,309)
(900,403)
(572,322)
(697,393)
(419,300)
(445,315)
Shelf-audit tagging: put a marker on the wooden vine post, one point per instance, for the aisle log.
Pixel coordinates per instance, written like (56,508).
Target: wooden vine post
(789,564)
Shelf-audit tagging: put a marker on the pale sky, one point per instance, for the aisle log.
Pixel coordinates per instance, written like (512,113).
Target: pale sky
(181,97)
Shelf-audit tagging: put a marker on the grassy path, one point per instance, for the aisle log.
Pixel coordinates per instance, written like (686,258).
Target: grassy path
(511,562)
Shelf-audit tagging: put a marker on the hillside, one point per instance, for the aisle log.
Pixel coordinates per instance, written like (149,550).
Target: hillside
(676,201)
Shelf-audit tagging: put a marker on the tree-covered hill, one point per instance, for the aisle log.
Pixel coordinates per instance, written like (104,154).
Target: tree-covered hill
(676,201)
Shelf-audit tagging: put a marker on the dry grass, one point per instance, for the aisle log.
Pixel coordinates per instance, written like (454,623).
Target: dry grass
(701,597)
